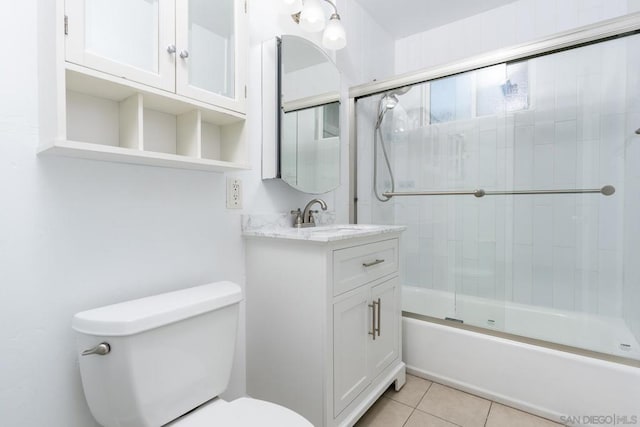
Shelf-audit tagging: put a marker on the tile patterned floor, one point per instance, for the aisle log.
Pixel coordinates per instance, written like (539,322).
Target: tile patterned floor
(422,403)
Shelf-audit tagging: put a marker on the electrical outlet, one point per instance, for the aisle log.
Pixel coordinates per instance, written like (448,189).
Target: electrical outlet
(234,193)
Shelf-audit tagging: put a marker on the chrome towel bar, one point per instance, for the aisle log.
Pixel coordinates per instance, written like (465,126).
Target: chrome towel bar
(607,190)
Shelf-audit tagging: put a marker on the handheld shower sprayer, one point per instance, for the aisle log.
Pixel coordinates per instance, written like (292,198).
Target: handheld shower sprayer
(388,101)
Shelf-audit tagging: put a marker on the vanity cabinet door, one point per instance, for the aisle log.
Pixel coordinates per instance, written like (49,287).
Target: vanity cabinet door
(352,318)
(384,349)
(211,37)
(126,38)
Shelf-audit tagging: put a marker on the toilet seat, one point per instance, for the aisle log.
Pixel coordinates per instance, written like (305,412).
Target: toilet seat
(243,412)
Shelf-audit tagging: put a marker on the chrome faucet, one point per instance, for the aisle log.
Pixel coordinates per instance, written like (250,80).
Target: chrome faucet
(305,218)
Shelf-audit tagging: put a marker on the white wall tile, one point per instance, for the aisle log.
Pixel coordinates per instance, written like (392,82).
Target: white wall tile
(487,270)
(469,277)
(609,283)
(610,222)
(542,232)
(425,263)
(586,291)
(522,273)
(487,220)
(612,146)
(544,131)
(543,161)
(563,277)
(565,154)
(440,272)
(564,221)
(523,220)
(587,234)
(542,283)
(567,14)
(523,153)
(487,158)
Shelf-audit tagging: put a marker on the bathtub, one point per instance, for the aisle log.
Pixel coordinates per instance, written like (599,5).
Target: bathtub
(549,382)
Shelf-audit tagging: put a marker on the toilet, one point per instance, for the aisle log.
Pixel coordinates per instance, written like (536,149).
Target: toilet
(163,361)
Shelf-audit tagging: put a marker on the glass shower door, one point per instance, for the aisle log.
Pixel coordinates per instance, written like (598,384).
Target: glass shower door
(549,251)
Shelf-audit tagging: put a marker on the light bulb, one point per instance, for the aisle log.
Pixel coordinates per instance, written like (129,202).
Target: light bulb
(312,16)
(292,6)
(334,36)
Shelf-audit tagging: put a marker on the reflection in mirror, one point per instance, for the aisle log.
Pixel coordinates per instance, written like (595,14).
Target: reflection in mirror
(309,117)
(310,148)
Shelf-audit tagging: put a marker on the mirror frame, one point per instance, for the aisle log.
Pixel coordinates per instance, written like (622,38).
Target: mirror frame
(272,121)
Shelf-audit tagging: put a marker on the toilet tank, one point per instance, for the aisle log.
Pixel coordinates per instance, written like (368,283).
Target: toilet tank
(168,354)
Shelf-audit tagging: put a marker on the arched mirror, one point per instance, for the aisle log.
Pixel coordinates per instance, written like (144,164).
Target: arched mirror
(309,116)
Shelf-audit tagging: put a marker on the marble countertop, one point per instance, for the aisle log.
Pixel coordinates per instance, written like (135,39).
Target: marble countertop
(277,227)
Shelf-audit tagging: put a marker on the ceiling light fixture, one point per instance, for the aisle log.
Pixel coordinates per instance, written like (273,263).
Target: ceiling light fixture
(311,17)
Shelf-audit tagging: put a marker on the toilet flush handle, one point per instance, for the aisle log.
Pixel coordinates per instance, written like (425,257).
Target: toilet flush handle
(101,350)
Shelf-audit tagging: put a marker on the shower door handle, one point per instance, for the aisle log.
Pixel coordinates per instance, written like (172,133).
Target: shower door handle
(373,320)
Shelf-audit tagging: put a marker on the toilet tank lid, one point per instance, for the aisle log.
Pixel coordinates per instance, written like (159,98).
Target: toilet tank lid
(132,317)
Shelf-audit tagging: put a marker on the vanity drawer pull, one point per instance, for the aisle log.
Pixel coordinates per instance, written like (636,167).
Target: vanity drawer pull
(372,263)
(356,265)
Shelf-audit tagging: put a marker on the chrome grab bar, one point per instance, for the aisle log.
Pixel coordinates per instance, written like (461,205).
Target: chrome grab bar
(607,190)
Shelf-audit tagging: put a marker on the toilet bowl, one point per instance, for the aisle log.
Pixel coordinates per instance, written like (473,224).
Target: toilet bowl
(164,360)
(239,413)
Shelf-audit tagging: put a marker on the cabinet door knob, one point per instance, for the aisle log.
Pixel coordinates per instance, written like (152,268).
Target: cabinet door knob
(184,54)
(171,48)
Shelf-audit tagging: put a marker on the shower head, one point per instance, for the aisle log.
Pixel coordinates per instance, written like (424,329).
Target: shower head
(390,101)
(400,90)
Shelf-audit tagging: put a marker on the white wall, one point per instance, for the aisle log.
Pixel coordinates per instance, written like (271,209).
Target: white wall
(77,234)
(370,50)
(514,23)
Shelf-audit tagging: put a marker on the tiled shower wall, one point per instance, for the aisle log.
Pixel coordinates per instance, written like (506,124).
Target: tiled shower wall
(560,251)
(518,22)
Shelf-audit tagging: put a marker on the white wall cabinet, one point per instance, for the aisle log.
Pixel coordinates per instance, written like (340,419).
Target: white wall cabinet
(323,324)
(196,48)
(153,82)
(125,38)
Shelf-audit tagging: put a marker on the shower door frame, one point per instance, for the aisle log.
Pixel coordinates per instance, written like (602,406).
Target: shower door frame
(582,36)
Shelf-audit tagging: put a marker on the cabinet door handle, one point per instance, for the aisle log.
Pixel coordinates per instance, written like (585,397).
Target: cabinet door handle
(171,48)
(372,263)
(184,54)
(379,312)
(373,320)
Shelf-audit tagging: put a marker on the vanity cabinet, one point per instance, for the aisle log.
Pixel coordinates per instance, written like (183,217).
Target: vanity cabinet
(360,358)
(152,82)
(323,324)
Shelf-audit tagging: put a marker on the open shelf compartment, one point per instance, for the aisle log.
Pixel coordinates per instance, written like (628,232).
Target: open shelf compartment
(121,121)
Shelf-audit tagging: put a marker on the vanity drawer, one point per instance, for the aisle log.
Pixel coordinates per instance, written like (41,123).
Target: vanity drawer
(358,265)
